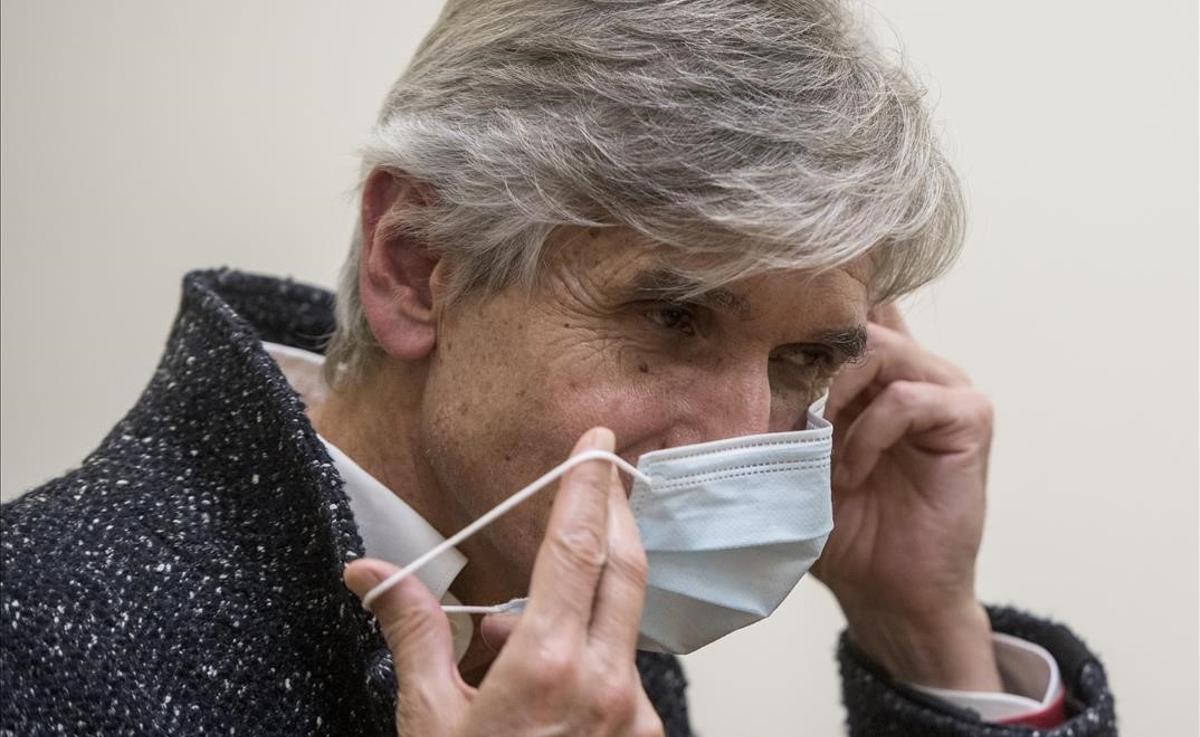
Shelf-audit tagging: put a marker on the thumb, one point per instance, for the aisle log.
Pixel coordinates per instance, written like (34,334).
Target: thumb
(495,629)
(418,636)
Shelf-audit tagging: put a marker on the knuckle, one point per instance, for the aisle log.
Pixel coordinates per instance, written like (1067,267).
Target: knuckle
(984,408)
(615,700)
(903,392)
(551,668)
(629,562)
(942,371)
(877,332)
(581,548)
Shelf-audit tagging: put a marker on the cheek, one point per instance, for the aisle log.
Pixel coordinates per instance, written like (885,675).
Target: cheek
(484,439)
(472,404)
(638,396)
(626,410)
(502,406)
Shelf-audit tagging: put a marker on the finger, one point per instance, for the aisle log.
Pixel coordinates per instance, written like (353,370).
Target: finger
(495,629)
(889,316)
(622,589)
(891,356)
(418,636)
(857,376)
(575,547)
(646,722)
(849,412)
(903,407)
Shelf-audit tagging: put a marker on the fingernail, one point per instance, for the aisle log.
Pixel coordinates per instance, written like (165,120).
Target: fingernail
(362,578)
(484,638)
(493,626)
(599,438)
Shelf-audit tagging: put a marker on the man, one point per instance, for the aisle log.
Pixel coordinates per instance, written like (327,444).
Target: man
(585,228)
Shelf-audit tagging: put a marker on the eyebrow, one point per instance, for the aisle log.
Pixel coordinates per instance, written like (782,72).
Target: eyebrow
(850,342)
(671,286)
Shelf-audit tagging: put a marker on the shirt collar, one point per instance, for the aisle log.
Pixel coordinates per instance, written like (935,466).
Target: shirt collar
(390,529)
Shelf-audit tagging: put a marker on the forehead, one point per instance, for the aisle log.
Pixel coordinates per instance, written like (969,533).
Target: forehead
(615,262)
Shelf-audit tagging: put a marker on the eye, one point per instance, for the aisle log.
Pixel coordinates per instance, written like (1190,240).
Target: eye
(676,317)
(808,358)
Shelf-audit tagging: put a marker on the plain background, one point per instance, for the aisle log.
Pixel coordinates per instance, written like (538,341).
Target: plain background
(143,139)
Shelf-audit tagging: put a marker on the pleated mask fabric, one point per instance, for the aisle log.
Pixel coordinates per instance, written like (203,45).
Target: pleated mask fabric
(729,528)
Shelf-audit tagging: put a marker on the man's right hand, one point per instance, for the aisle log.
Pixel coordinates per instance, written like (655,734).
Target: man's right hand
(568,666)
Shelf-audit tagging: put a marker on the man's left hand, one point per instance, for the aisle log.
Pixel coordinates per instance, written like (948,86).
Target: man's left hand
(911,441)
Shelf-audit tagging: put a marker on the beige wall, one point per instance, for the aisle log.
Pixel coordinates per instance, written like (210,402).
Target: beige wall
(141,139)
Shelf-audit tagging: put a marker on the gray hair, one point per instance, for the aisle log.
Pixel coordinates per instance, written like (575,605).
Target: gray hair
(771,134)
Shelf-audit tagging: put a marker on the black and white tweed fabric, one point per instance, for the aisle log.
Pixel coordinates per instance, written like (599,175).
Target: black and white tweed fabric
(185,579)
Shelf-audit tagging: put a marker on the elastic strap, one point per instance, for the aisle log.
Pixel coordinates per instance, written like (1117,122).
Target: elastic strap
(496,511)
(514,605)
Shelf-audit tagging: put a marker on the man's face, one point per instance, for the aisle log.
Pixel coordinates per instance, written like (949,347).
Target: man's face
(516,378)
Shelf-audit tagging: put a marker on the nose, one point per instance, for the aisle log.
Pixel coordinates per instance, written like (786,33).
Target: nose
(740,401)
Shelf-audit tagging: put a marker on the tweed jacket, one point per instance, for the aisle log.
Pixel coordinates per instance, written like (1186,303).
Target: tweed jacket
(185,579)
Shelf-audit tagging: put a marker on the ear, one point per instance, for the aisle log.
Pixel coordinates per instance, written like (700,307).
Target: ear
(395,270)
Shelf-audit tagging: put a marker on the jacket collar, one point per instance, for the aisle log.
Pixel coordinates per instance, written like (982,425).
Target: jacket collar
(220,421)
(215,349)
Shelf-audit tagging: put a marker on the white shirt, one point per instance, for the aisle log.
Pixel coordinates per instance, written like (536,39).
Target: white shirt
(391,530)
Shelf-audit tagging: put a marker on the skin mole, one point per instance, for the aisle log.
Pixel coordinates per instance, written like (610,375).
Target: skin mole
(643,367)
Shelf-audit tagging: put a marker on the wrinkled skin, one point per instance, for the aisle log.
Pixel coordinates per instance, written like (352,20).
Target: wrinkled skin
(567,668)
(518,379)
(475,399)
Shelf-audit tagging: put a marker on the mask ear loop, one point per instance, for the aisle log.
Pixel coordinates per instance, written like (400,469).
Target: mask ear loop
(493,513)
(513,605)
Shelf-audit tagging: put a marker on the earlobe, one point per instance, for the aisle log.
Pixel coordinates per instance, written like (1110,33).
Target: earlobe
(395,267)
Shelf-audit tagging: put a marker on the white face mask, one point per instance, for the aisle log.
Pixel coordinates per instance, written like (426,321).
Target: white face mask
(729,528)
